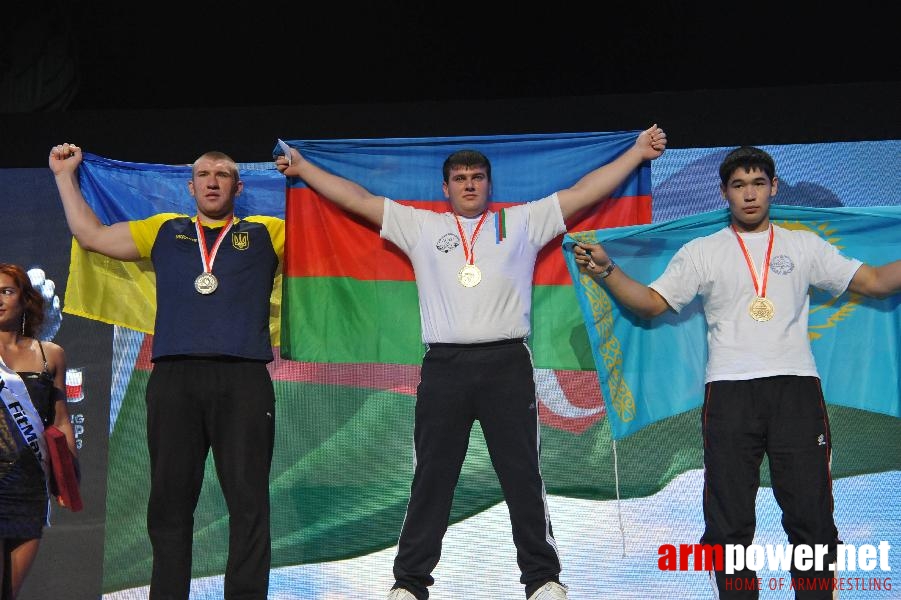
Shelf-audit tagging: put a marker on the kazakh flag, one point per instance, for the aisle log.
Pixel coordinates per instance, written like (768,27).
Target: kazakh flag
(651,370)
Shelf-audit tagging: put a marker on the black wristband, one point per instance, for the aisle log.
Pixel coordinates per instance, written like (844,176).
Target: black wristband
(606,272)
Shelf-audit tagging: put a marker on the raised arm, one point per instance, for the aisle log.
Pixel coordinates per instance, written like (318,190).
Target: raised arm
(877,282)
(637,297)
(347,194)
(603,181)
(114,240)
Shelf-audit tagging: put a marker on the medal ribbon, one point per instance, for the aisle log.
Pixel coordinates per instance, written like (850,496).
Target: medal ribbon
(469,249)
(759,285)
(208,258)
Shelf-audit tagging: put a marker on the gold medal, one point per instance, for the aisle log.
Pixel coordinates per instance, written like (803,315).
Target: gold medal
(762,309)
(206,283)
(469,276)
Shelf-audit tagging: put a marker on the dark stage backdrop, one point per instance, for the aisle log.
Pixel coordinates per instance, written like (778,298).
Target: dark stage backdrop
(701,118)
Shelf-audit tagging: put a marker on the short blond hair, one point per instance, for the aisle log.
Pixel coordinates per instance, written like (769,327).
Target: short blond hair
(216,155)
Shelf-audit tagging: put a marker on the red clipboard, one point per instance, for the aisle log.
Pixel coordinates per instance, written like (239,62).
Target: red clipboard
(64,481)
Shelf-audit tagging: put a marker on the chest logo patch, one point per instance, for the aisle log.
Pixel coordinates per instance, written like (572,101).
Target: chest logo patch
(447,242)
(240,240)
(782,265)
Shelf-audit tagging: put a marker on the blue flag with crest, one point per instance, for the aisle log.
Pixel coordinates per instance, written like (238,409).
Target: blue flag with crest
(651,370)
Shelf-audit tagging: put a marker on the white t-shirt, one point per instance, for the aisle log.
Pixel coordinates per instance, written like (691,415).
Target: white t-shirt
(715,268)
(499,307)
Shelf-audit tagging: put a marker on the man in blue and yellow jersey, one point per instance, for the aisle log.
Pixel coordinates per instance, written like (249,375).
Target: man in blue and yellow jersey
(209,387)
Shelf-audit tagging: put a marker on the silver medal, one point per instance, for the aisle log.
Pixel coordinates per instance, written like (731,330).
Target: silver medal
(206,283)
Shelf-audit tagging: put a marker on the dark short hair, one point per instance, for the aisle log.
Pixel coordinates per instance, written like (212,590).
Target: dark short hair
(748,158)
(466,159)
(32,300)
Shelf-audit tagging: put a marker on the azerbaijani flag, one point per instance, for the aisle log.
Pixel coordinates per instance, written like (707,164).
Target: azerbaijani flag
(350,297)
(652,370)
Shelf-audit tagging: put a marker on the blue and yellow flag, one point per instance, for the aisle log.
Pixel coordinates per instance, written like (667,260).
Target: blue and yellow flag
(651,370)
(124,293)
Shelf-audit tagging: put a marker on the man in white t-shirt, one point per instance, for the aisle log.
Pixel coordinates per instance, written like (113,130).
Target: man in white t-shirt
(475,299)
(763,392)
